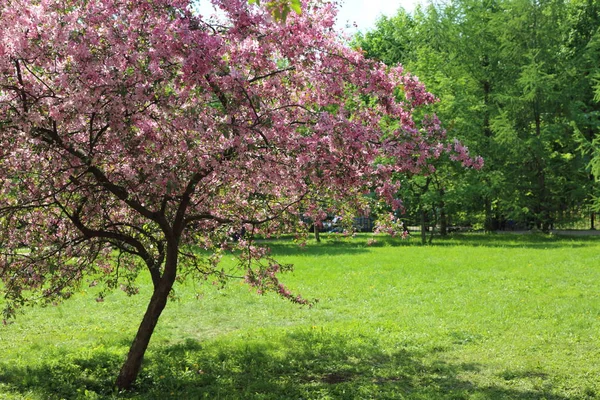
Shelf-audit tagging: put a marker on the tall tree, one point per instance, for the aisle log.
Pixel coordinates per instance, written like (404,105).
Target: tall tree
(133,133)
(451,48)
(582,48)
(512,81)
(534,117)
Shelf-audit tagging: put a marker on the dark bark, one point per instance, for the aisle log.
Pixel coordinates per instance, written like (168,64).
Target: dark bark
(443,219)
(542,211)
(317,235)
(423,226)
(443,223)
(158,301)
(433,224)
(488,226)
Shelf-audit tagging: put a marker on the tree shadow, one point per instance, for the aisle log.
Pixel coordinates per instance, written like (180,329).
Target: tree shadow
(304,364)
(328,247)
(518,240)
(71,378)
(495,240)
(334,244)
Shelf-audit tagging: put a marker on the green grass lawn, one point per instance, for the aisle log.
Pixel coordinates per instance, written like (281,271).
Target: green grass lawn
(469,317)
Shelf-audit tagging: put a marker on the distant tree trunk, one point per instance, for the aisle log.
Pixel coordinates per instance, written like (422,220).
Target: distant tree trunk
(443,220)
(423,226)
(158,301)
(434,224)
(592,221)
(543,215)
(486,85)
(316,230)
(488,226)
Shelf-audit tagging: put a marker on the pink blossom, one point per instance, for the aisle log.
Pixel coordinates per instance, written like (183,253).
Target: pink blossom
(133,133)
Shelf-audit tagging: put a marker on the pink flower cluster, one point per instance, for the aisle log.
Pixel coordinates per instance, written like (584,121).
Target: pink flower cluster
(139,127)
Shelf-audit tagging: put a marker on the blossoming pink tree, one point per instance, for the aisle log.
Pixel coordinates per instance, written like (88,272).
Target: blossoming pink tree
(136,135)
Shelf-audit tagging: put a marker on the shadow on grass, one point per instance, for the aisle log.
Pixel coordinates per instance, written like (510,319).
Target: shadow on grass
(337,245)
(328,247)
(518,240)
(307,364)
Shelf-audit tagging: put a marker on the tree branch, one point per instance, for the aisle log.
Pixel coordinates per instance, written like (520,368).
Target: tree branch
(114,238)
(51,136)
(279,71)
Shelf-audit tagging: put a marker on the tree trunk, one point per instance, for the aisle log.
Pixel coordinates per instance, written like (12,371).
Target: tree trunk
(158,301)
(423,227)
(434,224)
(488,225)
(316,230)
(592,221)
(133,363)
(443,221)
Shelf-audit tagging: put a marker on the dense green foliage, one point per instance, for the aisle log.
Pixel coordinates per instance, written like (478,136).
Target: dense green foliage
(474,316)
(518,82)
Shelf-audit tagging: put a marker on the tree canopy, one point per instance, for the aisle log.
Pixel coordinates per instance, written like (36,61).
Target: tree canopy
(136,136)
(515,79)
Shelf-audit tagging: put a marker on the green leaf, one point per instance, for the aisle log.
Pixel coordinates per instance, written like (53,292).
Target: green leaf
(284,13)
(296,6)
(277,14)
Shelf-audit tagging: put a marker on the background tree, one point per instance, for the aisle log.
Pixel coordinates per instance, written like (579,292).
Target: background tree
(450,50)
(583,50)
(513,78)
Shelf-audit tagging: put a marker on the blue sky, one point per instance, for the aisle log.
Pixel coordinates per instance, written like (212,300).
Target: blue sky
(366,12)
(362,12)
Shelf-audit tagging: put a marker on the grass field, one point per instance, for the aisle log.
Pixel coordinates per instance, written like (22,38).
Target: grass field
(469,317)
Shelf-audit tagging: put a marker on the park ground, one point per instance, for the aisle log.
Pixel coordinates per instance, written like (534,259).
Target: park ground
(472,316)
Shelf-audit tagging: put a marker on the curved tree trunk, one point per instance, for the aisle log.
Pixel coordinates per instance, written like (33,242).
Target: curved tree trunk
(158,301)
